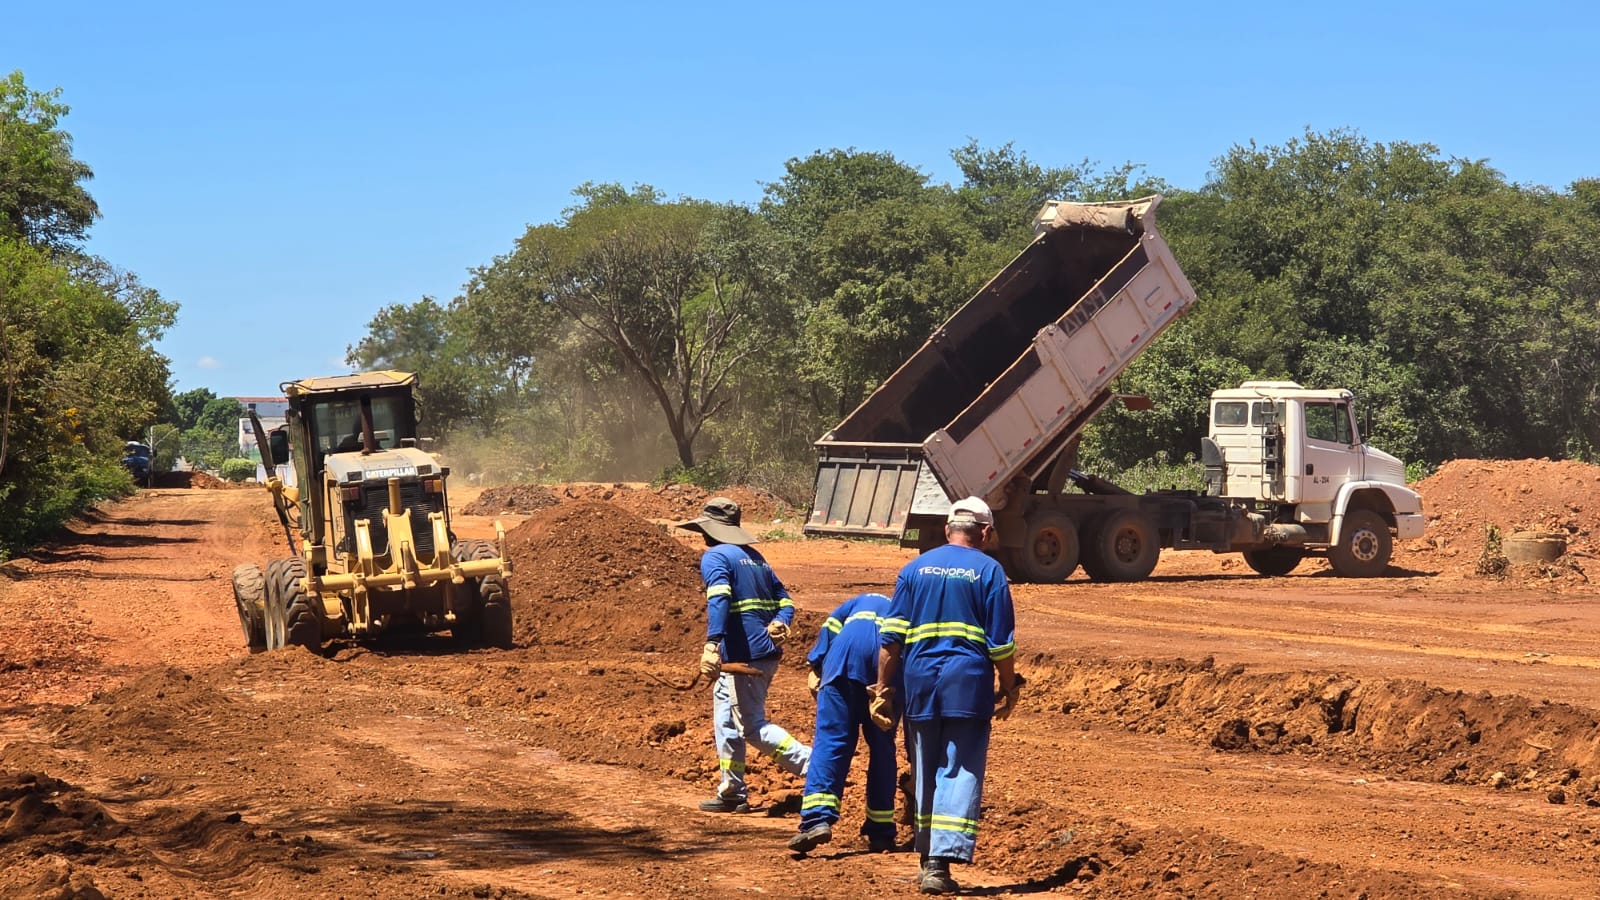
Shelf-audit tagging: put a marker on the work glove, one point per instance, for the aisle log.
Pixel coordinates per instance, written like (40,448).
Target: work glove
(814,681)
(880,709)
(1006,703)
(710,660)
(778,631)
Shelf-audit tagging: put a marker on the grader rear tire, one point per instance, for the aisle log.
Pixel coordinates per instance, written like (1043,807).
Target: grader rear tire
(250,596)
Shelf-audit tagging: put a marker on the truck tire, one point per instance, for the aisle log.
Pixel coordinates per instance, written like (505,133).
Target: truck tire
(1364,547)
(1123,547)
(250,596)
(302,612)
(489,622)
(1049,551)
(272,617)
(1274,561)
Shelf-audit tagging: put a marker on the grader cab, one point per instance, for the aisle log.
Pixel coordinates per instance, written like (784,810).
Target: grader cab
(375,551)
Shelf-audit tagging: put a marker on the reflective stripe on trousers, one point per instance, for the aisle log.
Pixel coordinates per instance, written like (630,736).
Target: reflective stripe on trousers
(947,764)
(841,717)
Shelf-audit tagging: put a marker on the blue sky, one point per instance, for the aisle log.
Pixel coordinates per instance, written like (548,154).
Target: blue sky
(285,170)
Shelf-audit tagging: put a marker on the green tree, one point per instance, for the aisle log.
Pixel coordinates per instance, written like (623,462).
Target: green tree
(679,292)
(186,406)
(42,198)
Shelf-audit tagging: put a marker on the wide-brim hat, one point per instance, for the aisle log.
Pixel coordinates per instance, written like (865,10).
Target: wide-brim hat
(719,520)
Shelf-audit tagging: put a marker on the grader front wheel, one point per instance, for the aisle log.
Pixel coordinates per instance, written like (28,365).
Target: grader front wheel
(488,622)
(250,596)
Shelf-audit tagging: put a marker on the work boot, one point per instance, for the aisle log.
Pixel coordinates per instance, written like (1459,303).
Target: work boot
(720,804)
(880,843)
(936,877)
(812,838)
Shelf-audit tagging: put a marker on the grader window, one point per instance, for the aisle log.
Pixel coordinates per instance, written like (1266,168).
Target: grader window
(337,424)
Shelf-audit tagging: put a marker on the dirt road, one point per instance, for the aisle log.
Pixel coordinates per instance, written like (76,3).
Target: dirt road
(1209,733)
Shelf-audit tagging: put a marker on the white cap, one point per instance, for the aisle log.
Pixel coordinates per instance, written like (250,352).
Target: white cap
(972,509)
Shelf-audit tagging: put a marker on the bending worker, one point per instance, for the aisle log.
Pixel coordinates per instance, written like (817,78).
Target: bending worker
(844,663)
(748,612)
(949,630)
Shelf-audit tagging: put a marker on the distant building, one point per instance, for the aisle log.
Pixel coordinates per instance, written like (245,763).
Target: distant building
(265,407)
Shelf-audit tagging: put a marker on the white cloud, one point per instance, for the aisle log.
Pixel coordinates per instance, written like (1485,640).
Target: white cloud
(209,362)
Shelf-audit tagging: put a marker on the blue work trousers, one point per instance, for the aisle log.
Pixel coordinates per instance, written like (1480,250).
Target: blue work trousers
(841,718)
(739,717)
(947,763)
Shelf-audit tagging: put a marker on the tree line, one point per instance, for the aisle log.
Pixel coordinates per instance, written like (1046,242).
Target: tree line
(642,336)
(639,335)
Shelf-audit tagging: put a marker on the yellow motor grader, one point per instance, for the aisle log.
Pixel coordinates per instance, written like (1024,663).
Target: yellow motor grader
(376,552)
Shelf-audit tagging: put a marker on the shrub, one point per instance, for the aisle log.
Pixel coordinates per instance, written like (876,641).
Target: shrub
(238,469)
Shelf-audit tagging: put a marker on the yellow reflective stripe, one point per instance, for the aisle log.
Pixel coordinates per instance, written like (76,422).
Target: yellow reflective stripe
(815,801)
(862,617)
(948,823)
(754,604)
(719,590)
(786,602)
(946,629)
(833,625)
(880,815)
(731,766)
(1004,651)
(893,626)
(783,747)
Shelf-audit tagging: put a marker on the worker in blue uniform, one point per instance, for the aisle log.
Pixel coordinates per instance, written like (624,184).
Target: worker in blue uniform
(748,613)
(844,663)
(949,632)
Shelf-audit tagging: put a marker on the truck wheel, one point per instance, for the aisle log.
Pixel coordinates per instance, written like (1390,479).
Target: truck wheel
(1364,545)
(300,610)
(1049,552)
(1125,547)
(250,596)
(1274,561)
(489,621)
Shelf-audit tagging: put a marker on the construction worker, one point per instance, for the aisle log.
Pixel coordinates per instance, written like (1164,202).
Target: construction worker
(748,612)
(844,663)
(948,632)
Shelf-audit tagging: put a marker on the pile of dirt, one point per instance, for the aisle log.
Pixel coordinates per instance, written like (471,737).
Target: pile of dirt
(669,501)
(593,574)
(201,480)
(1465,496)
(1397,726)
(511,498)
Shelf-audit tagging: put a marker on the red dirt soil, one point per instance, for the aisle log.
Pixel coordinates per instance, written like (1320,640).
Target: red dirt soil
(1208,733)
(669,501)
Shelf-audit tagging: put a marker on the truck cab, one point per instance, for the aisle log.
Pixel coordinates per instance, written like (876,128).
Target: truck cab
(1298,455)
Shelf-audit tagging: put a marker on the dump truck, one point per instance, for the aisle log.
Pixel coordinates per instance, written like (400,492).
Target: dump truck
(994,404)
(375,551)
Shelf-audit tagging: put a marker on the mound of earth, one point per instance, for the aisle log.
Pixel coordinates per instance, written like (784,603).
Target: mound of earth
(669,501)
(594,574)
(1465,496)
(201,480)
(511,498)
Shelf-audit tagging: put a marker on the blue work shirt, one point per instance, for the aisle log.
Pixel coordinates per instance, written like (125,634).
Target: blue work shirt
(743,594)
(952,614)
(847,644)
